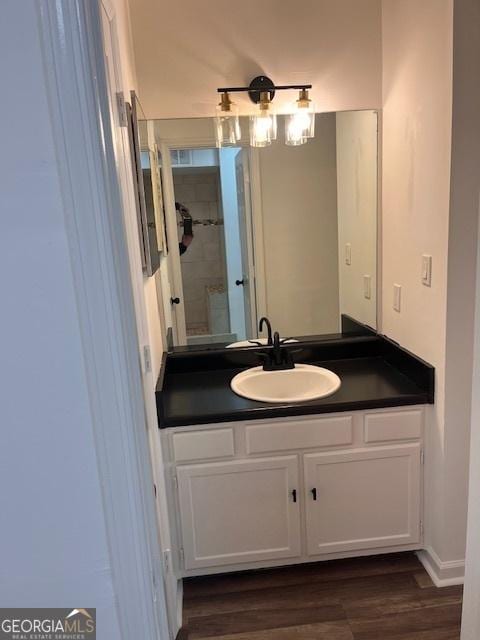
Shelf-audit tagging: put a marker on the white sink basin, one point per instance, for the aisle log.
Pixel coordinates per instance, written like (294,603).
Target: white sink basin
(304,382)
(247,343)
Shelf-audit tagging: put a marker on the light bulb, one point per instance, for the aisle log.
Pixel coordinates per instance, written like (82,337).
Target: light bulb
(227,123)
(263,125)
(300,123)
(294,135)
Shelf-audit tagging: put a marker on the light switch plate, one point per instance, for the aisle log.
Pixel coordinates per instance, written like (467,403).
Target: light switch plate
(348,253)
(367,287)
(397,297)
(427,270)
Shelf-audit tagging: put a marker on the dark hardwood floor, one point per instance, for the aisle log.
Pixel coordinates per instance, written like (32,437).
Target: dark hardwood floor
(386,597)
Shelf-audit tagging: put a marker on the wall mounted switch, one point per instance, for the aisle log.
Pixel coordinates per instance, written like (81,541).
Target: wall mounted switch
(367,287)
(427,270)
(348,253)
(397,297)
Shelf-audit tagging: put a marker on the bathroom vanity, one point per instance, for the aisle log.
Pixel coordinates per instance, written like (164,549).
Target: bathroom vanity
(267,463)
(253,484)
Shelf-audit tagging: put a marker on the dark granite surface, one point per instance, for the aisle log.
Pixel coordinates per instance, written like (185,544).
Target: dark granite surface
(202,397)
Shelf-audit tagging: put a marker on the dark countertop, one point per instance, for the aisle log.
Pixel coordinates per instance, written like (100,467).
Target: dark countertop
(203,397)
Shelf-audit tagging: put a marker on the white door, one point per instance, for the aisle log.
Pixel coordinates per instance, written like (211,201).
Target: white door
(362,499)
(174,271)
(233,253)
(239,511)
(246,242)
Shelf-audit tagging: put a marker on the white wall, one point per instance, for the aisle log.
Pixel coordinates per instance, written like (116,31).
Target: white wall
(52,538)
(299,216)
(186,49)
(462,252)
(129,82)
(357,212)
(471,610)
(471,597)
(465,201)
(419,217)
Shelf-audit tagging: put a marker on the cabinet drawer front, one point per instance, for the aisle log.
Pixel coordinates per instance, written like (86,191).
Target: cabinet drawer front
(203,445)
(393,426)
(305,434)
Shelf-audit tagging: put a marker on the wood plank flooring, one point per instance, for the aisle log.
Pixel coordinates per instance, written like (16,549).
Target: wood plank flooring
(386,597)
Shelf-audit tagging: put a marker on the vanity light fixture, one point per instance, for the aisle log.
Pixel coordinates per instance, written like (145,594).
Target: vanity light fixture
(300,125)
(227,123)
(263,124)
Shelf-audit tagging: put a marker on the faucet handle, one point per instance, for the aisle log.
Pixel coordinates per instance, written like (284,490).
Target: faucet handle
(289,359)
(292,351)
(264,357)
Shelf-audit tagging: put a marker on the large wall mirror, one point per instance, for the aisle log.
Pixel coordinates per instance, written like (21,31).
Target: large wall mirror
(288,232)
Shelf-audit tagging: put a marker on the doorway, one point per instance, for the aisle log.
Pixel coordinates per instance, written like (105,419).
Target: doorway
(213,222)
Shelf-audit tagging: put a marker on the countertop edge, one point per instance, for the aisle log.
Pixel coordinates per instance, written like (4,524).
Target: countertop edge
(263,413)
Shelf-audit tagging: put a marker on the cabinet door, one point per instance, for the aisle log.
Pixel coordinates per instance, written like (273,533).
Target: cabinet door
(362,499)
(239,511)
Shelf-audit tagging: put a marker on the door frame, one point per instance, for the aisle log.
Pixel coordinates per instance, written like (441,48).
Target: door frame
(258,232)
(72,43)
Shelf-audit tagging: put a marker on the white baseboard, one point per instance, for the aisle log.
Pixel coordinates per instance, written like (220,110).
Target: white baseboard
(443,574)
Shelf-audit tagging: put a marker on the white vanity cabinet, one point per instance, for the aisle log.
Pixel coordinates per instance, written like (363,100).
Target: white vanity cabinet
(289,490)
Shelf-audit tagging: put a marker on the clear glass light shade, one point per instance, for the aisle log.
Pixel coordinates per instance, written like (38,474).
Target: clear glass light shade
(227,126)
(301,123)
(263,128)
(294,134)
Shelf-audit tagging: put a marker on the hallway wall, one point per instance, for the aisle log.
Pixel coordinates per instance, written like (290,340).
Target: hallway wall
(53,538)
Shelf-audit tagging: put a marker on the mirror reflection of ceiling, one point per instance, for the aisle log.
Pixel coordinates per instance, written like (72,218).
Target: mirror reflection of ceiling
(185,50)
(312,213)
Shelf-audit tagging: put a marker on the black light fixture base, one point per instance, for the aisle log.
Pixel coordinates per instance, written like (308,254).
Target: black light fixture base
(259,85)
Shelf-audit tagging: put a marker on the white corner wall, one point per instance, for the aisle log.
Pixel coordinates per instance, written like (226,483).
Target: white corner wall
(423,214)
(417,112)
(462,256)
(357,151)
(471,595)
(300,232)
(464,238)
(52,538)
(185,50)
